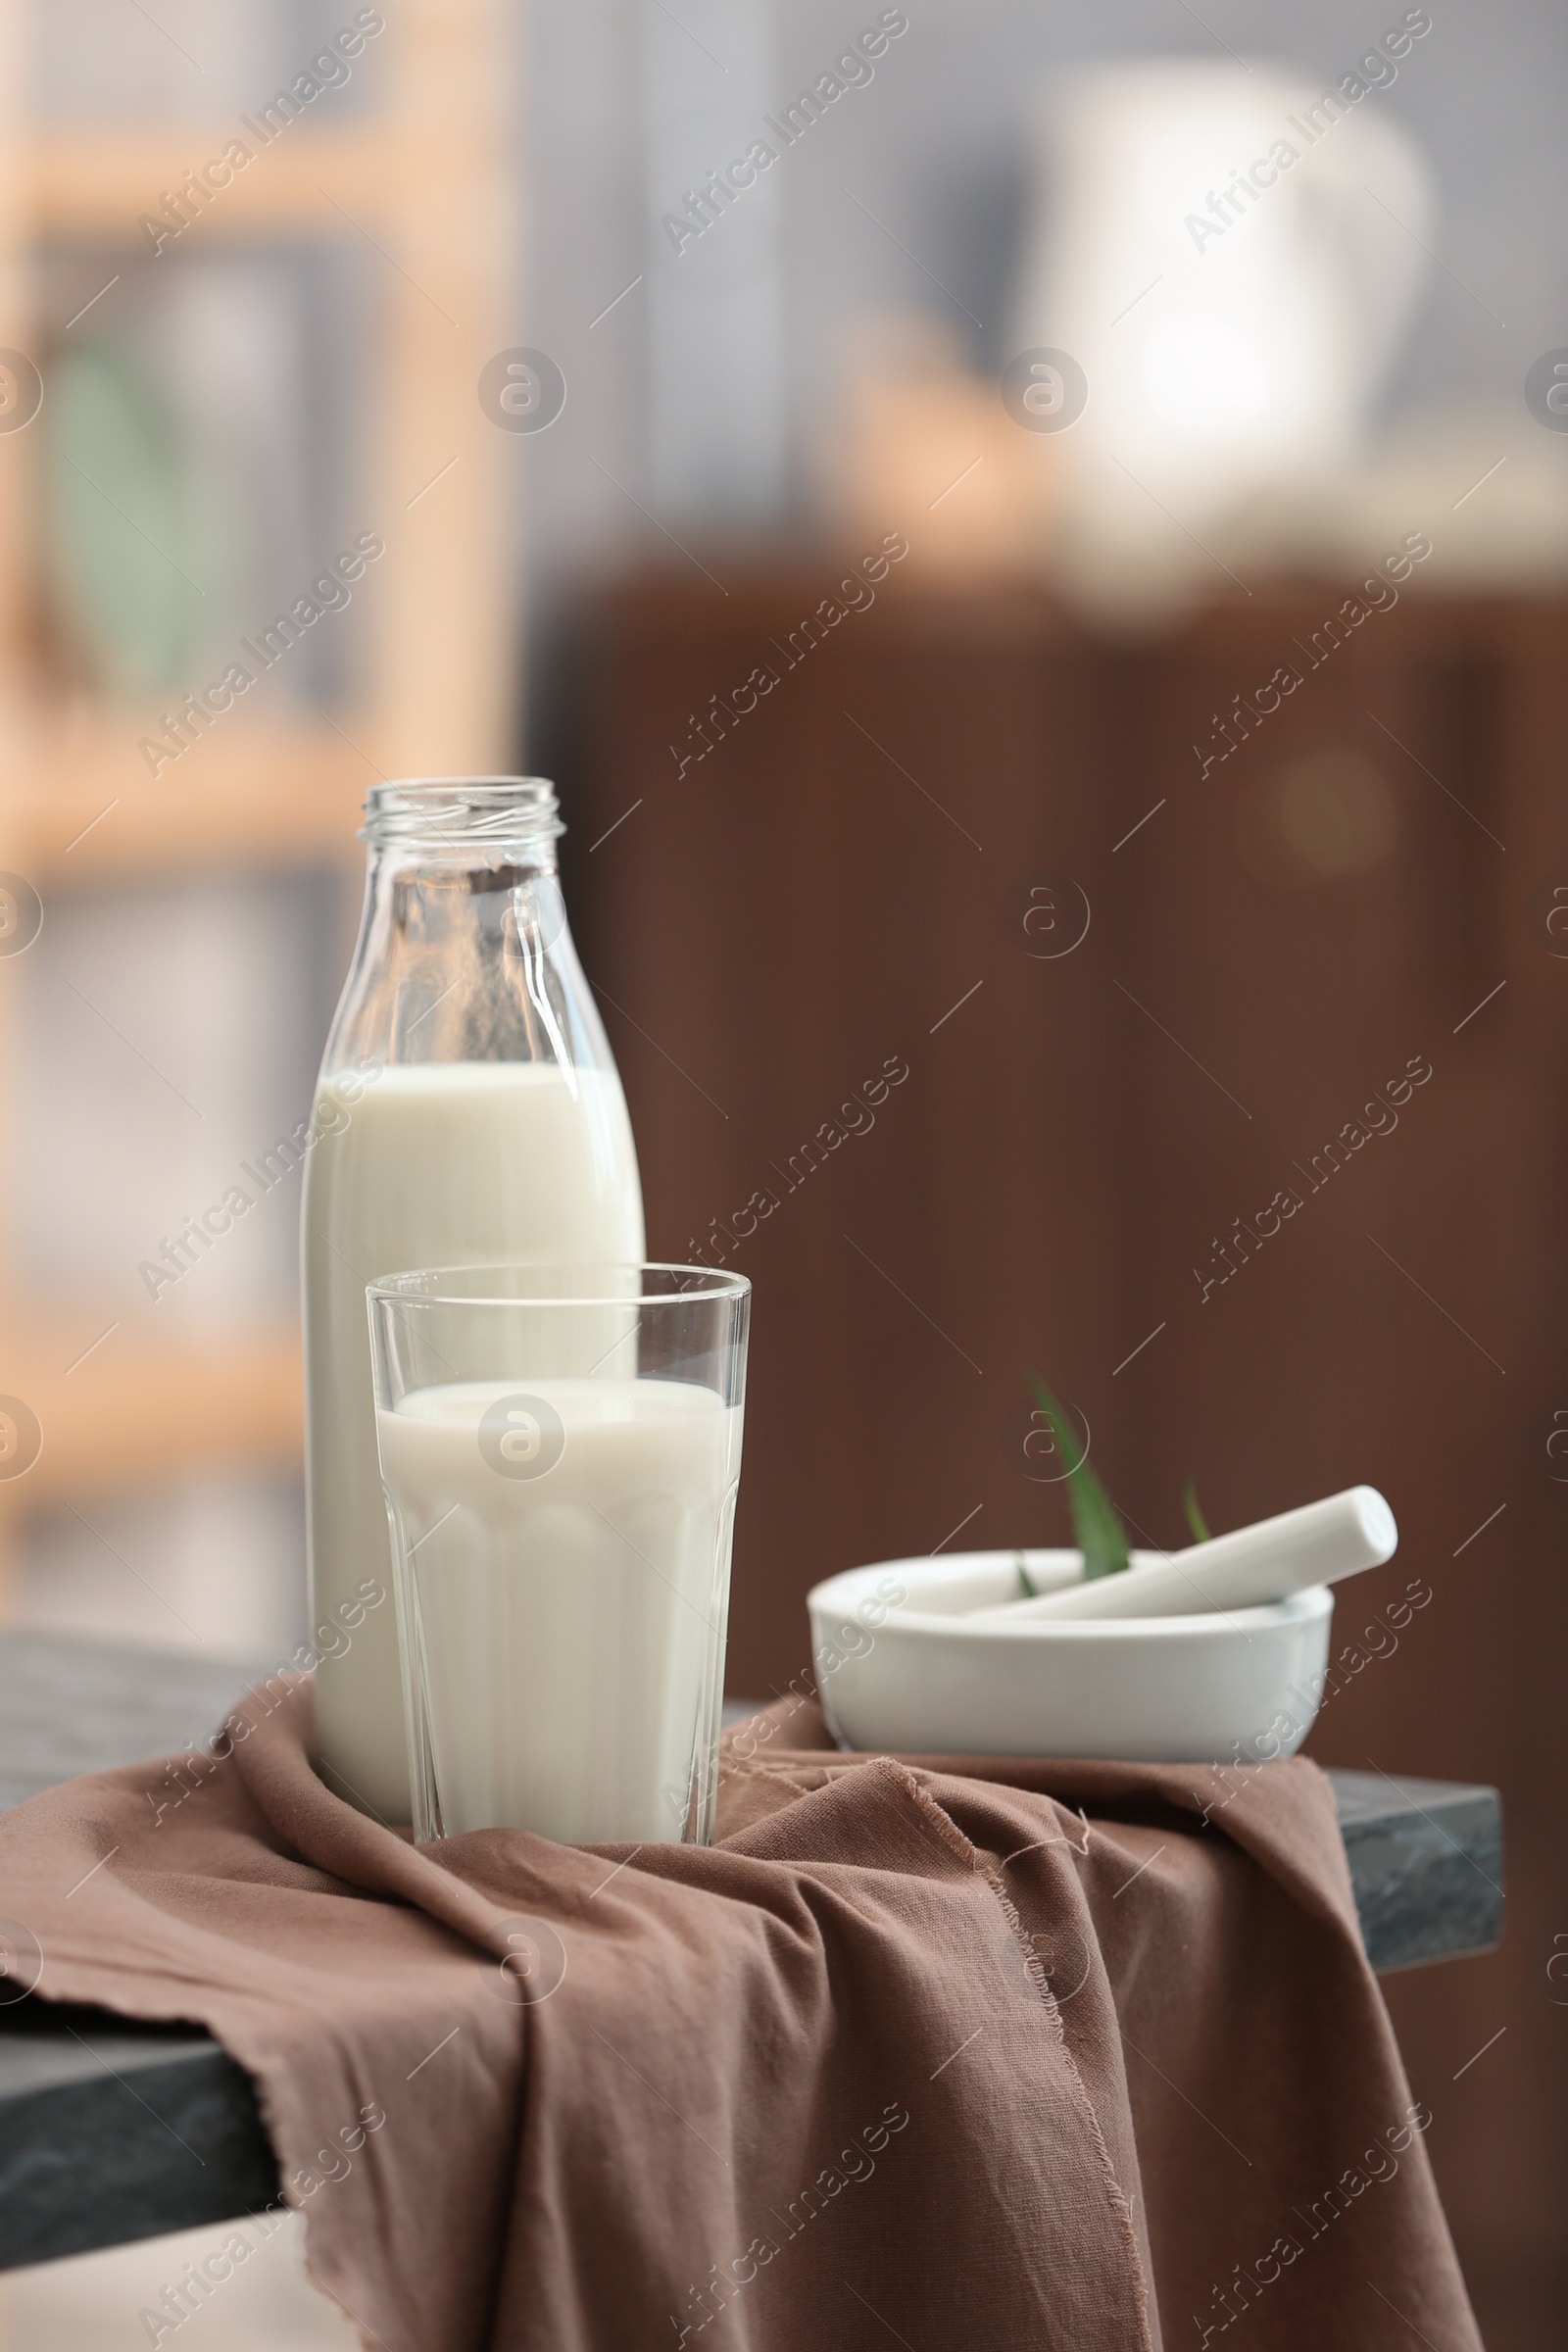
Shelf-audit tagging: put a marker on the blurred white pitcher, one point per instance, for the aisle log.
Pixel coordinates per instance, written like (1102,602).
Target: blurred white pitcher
(1232,256)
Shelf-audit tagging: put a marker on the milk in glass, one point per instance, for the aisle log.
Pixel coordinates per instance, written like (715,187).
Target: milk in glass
(566,1610)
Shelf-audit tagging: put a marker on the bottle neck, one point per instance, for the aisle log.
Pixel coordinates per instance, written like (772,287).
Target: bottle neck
(444,851)
(467,871)
(463,953)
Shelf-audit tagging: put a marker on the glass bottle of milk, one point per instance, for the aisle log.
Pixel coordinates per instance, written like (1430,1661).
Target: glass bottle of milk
(468,1112)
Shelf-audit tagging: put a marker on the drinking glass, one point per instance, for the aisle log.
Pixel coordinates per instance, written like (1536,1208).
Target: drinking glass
(560,1450)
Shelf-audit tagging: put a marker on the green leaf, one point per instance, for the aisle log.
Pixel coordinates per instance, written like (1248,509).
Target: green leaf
(1195,1517)
(1027,1587)
(1102,1537)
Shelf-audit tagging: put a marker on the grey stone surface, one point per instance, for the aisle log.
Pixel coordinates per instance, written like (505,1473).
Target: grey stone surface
(1426,1863)
(69,1707)
(112,2129)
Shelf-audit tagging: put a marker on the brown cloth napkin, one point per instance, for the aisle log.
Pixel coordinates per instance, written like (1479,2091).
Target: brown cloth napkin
(937,2052)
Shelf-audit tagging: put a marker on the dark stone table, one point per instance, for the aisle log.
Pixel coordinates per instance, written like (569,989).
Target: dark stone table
(110,2130)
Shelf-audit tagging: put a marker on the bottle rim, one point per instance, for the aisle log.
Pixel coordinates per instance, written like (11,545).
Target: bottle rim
(459,810)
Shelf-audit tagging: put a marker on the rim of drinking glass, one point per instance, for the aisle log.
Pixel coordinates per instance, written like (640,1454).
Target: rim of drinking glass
(430,1285)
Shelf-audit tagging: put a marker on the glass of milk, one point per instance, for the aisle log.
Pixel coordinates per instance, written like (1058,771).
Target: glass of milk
(468,1112)
(560,1447)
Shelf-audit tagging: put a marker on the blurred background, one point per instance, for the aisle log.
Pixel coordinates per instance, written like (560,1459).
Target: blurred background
(1041,562)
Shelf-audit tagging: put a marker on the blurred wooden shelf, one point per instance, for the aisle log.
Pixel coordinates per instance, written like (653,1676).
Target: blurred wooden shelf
(426,178)
(97,183)
(131,1416)
(77,803)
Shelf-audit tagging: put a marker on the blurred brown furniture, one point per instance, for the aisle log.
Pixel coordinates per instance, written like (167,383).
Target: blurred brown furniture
(865,869)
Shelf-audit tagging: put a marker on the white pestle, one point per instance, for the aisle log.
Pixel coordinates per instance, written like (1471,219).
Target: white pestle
(1317,1544)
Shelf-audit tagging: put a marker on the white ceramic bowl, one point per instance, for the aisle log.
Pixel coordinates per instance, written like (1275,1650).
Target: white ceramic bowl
(901,1668)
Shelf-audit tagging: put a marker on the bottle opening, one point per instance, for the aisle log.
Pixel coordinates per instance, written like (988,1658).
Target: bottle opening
(461,810)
